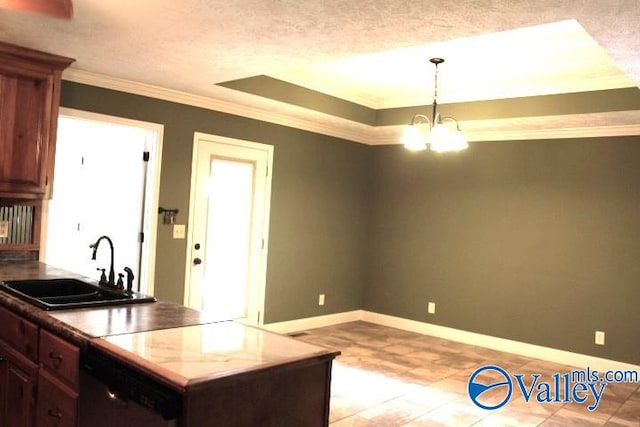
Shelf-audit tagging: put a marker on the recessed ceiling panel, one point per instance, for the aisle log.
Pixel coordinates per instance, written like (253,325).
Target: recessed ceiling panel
(554,58)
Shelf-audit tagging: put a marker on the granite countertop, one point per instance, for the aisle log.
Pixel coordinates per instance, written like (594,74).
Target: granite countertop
(192,355)
(180,346)
(81,325)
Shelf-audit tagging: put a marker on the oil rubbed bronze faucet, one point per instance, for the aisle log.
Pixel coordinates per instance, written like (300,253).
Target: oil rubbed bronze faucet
(111,280)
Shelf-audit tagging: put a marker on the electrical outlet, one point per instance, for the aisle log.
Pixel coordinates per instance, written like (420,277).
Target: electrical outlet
(179,231)
(321,299)
(431,308)
(4,229)
(600,337)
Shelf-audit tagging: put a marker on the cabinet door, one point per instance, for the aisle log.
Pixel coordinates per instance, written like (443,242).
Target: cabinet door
(18,377)
(3,390)
(24,134)
(57,404)
(20,398)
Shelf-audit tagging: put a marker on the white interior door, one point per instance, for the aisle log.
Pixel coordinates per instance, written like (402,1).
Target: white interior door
(228,223)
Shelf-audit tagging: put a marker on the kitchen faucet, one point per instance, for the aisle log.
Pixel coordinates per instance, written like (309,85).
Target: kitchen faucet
(111,281)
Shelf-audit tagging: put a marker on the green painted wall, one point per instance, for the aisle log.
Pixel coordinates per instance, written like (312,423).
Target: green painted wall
(318,207)
(535,241)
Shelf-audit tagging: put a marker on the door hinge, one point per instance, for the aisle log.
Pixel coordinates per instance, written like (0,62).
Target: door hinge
(141,237)
(267,174)
(82,160)
(259,317)
(262,243)
(145,156)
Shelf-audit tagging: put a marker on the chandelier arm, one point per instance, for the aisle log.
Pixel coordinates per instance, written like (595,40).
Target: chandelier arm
(419,119)
(452,119)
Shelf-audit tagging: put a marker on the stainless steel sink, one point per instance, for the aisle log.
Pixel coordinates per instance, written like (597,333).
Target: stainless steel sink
(64,294)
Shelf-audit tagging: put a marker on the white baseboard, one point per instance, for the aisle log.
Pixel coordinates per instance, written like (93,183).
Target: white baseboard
(314,322)
(509,346)
(500,344)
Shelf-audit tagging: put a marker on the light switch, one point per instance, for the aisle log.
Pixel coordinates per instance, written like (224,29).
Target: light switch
(178,231)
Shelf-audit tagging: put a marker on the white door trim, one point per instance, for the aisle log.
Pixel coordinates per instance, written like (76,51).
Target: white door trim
(152,193)
(262,262)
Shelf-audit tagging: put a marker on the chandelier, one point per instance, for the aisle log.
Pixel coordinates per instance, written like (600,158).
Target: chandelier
(440,137)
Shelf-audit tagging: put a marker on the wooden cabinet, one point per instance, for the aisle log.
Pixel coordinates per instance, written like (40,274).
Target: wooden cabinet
(19,333)
(59,358)
(38,375)
(18,378)
(58,382)
(57,403)
(29,99)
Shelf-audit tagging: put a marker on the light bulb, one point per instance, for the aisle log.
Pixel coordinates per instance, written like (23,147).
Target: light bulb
(413,139)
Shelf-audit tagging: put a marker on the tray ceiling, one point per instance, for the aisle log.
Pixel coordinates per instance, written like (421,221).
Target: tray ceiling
(375,55)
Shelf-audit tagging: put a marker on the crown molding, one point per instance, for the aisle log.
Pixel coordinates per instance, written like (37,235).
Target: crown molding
(558,133)
(254,107)
(238,103)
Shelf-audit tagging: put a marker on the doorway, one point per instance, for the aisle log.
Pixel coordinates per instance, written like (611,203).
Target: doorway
(228,228)
(105,184)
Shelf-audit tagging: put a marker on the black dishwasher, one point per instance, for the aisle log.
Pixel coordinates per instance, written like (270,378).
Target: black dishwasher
(114,395)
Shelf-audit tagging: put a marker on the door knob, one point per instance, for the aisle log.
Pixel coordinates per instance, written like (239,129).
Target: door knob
(197,261)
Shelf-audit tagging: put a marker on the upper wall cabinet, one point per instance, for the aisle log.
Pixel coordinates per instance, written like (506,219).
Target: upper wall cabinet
(29,99)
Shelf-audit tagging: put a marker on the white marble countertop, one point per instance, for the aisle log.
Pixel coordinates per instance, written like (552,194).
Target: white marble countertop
(190,355)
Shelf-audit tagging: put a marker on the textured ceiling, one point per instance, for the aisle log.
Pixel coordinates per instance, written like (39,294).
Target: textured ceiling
(374,53)
(546,59)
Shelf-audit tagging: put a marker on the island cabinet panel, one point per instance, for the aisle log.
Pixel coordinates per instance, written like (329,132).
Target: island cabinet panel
(57,403)
(18,379)
(60,358)
(38,375)
(29,102)
(19,333)
(58,383)
(288,395)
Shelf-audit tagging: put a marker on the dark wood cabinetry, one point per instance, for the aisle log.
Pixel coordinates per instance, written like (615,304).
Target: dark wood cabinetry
(38,375)
(58,382)
(18,370)
(19,377)
(29,99)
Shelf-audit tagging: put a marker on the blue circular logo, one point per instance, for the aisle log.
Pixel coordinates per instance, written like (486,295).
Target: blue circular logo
(476,388)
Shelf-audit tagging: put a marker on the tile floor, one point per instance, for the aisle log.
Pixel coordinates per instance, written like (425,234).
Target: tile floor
(390,377)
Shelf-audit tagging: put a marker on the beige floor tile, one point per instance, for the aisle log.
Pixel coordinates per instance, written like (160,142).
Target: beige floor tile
(387,377)
(568,418)
(454,413)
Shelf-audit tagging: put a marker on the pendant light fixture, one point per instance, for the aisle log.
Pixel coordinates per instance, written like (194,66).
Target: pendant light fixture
(440,137)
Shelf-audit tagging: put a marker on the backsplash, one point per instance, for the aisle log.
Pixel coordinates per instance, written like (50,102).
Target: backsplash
(19,229)
(16,224)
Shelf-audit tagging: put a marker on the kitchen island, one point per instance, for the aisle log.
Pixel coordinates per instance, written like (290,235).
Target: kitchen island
(211,373)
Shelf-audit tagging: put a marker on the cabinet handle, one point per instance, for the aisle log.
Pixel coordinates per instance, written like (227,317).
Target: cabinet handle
(55,413)
(57,358)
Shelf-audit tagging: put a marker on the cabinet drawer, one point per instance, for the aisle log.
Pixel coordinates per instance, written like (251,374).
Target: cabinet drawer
(19,333)
(57,404)
(59,357)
